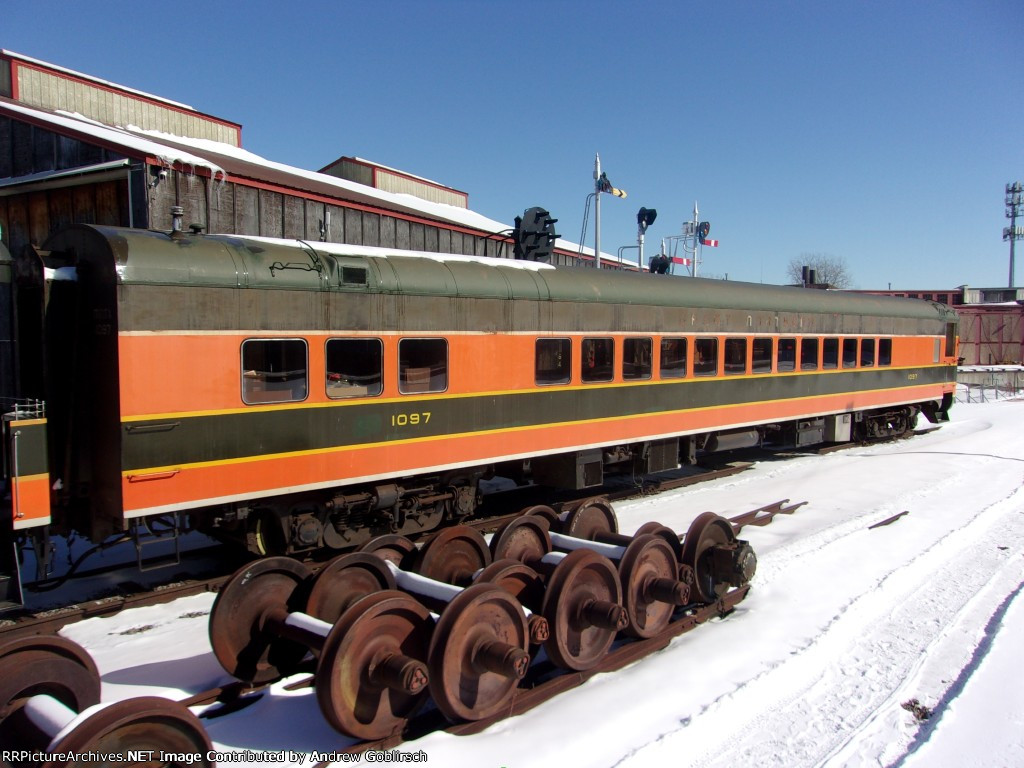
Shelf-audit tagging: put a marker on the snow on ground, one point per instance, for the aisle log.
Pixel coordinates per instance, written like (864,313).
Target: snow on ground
(844,625)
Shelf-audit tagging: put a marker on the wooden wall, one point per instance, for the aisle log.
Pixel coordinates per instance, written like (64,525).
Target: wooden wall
(144,198)
(29,216)
(227,207)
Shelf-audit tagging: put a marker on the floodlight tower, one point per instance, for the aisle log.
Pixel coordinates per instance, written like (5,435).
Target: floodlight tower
(1014,204)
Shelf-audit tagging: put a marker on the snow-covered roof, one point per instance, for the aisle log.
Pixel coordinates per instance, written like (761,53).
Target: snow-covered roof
(346,249)
(221,160)
(130,143)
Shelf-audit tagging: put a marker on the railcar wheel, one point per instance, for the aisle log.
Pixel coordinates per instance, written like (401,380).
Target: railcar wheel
(391,547)
(523,538)
(544,512)
(651,588)
(453,555)
(478,653)
(671,537)
(140,724)
(719,561)
(238,632)
(52,666)
(583,606)
(343,581)
(372,678)
(526,586)
(591,517)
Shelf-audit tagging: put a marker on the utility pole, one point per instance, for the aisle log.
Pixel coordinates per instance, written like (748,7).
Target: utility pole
(597,210)
(1013,210)
(695,224)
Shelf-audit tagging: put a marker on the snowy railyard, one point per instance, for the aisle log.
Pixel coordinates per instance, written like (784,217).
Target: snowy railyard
(857,645)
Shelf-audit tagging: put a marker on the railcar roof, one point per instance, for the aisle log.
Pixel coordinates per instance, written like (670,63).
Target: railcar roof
(144,256)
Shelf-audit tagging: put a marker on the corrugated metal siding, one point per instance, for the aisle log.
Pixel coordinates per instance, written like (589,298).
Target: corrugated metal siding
(49,91)
(393,182)
(388,180)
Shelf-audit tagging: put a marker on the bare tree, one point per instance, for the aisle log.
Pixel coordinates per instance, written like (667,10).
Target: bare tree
(830,270)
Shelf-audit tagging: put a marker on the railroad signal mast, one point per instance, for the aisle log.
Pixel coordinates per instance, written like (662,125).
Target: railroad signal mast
(1014,204)
(601,184)
(694,235)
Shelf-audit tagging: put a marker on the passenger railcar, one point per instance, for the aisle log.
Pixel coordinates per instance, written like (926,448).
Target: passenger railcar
(296,395)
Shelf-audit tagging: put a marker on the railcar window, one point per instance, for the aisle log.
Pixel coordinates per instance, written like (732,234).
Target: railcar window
(735,356)
(598,359)
(422,365)
(553,361)
(355,367)
(867,352)
(673,358)
(787,355)
(849,353)
(274,370)
(830,354)
(762,355)
(636,358)
(705,360)
(808,354)
(885,351)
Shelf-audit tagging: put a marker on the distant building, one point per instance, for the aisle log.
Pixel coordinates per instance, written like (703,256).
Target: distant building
(991,321)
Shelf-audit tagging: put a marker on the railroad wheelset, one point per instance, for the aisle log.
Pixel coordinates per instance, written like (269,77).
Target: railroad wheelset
(479,651)
(576,621)
(49,703)
(380,651)
(647,568)
(718,559)
(371,675)
(460,556)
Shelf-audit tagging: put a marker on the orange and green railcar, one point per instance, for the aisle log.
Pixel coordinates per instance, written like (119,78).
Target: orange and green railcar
(295,395)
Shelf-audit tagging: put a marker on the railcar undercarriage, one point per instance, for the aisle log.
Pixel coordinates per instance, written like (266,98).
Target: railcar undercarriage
(348,518)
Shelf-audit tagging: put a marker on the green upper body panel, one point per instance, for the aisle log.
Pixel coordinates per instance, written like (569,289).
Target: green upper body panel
(133,256)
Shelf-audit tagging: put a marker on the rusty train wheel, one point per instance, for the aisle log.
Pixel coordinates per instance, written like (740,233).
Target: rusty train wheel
(372,676)
(242,641)
(523,538)
(141,724)
(706,534)
(453,555)
(516,578)
(33,666)
(671,537)
(391,547)
(526,586)
(478,653)
(651,589)
(583,606)
(344,580)
(544,512)
(591,517)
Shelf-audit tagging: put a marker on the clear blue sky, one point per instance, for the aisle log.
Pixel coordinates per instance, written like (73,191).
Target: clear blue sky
(879,132)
